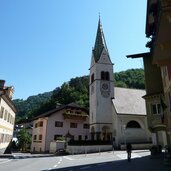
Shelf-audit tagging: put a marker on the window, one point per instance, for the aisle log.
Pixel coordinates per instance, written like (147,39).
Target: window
(92,78)
(34,137)
(86,126)
(5,118)
(156,108)
(58,124)
(40,137)
(1,112)
(102,75)
(133,124)
(11,120)
(73,125)
(40,124)
(8,119)
(35,125)
(105,75)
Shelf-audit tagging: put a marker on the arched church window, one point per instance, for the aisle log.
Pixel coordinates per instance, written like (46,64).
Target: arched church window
(102,75)
(105,75)
(92,78)
(133,124)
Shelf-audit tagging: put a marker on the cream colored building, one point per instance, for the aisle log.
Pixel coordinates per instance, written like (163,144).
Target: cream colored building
(7,116)
(117,114)
(66,122)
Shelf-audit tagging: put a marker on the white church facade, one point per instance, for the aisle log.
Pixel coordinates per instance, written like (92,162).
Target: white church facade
(116,114)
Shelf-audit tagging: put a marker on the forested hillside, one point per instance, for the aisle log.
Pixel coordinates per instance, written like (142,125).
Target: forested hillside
(25,107)
(132,78)
(76,90)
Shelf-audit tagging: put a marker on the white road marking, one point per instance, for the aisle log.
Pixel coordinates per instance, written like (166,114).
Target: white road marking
(5,161)
(59,162)
(69,158)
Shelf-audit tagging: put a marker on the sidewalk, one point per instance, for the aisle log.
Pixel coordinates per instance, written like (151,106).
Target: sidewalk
(8,157)
(5,158)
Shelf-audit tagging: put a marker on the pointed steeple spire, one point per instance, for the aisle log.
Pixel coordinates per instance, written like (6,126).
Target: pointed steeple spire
(100,42)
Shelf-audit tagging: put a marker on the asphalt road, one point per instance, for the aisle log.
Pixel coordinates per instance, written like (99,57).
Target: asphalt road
(107,161)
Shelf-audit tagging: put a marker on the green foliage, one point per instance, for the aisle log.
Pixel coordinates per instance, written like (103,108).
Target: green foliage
(131,78)
(24,140)
(76,90)
(26,107)
(44,107)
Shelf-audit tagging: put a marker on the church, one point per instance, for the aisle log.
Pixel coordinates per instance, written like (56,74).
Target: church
(115,114)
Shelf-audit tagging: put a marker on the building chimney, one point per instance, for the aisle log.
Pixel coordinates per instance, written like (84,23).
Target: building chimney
(10,91)
(2,83)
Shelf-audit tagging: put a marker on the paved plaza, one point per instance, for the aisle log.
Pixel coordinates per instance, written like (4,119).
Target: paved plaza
(109,161)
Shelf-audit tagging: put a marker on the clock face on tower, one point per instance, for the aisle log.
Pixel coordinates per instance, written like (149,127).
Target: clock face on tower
(105,88)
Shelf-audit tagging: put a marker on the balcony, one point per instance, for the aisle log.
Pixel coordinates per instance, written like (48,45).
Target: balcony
(155,123)
(75,116)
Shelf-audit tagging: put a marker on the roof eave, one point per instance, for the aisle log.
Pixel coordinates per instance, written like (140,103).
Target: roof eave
(138,55)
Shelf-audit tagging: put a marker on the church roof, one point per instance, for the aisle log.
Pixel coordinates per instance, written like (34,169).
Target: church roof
(129,101)
(99,43)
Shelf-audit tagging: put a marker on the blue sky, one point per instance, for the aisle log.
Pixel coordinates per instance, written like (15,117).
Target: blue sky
(44,43)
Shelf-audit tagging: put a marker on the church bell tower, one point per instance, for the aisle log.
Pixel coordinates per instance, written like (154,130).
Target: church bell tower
(101,89)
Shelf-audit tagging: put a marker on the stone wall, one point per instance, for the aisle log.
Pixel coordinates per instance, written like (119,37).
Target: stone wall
(88,149)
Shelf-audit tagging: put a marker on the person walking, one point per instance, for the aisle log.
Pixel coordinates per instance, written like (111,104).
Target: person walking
(129,150)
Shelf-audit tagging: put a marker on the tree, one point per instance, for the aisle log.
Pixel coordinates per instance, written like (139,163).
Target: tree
(131,78)
(76,90)
(24,140)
